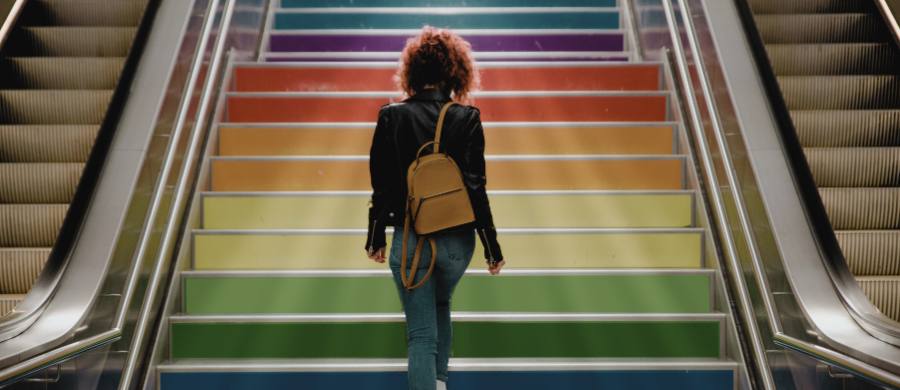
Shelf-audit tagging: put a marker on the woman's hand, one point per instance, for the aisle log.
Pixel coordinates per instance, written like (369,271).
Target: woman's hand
(494,268)
(376,256)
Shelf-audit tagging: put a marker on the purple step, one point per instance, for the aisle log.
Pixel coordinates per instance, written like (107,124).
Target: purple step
(601,41)
(331,57)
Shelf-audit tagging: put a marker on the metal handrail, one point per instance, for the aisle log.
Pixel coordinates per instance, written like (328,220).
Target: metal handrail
(890,17)
(780,337)
(10,21)
(70,350)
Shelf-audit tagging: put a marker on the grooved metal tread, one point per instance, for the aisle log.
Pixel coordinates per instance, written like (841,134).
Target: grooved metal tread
(841,92)
(806,6)
(30,225)
(847,128)
(83,13)
(46,143)
(833,58)
(39,182)
(821,28)
(8,302)
(857,208)
(855,167)
(53,107)
(70,42)
(871,252)
(884,292)
(61,73)
(19,267)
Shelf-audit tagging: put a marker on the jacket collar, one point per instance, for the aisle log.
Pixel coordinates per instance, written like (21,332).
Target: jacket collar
(430,94)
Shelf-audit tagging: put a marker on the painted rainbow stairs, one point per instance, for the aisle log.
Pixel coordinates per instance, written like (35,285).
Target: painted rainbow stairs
(607,284)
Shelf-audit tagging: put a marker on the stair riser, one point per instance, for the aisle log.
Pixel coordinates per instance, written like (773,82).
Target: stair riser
(469,380)
(446,3)
(526,42)
(622,293)
(510,211)
(481,20)
(556,78)
(300,175)
(547,140)
(345,251)
(615,339)
(264,109)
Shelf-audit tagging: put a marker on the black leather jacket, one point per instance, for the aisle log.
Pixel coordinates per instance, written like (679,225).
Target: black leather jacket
(402,129)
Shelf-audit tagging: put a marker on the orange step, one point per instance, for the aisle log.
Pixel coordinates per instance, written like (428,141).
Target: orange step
(298,174)
(526,139)
(553,77)
(591,107)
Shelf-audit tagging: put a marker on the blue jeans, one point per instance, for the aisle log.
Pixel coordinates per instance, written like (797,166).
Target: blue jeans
(428,329)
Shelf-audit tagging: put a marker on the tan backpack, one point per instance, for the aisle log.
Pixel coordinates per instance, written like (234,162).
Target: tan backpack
(437,200)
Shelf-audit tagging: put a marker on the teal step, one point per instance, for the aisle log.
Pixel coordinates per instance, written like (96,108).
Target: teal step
(475,336)
(584,291)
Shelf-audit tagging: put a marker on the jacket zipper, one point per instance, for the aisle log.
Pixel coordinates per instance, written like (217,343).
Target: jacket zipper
(487,246)
(372,236)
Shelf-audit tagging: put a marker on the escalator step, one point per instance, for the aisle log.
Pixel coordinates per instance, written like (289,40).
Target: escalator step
(855,167)
(871,252)
(821,28)
(30,225)
(39,143)
(840,92)
(61,73)
(38,182)
(8,302)
(71,42)
(862,208)
(83,13)
(54,107)
(848,128)
(19,267)
(884,292)
(806,6)
(833,59)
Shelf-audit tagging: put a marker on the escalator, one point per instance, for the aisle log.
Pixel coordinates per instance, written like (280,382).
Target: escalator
(58,71)
(836,65)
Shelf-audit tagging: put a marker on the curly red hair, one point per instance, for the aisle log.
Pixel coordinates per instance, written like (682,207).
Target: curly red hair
(438,57)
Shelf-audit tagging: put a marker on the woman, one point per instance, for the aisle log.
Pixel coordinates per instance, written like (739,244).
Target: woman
(435,67)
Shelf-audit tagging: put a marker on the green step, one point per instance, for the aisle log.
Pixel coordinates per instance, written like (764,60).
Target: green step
(559,248)
(524,209)
(684,336)
(570,292)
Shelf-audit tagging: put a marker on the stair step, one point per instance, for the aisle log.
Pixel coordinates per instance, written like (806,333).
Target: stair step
(520,107)
(822,28)
(833,59)
(41,143)
(589,173)
(502,139)
(361,55)
(8,302)
(414,18)
(469,374)
(511,210)
(83,13)
(527,248)
(862,208)
(611,42)
(552,335)
(582,291)
(39,182)
(871,252)
(70,42)
(445,3)
(806,6)
(19,267)
(520,77)
(61,73)
(840,92)
(855,167)
(884,292)
(847,128)
(53,107)
(30,225)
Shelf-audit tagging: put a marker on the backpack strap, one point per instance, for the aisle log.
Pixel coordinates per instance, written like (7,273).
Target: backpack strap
(440,126)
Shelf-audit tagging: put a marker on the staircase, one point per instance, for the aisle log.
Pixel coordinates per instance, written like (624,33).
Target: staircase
(58,70)
(837,68)
(609,284)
